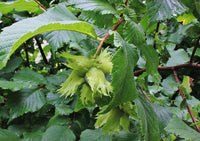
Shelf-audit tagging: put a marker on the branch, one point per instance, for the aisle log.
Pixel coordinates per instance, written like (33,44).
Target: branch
(27,57)
(41,51)
(145,95)
(182,95)
(106,36)
(156,31)
(195,48)
(41,5)
(139,72)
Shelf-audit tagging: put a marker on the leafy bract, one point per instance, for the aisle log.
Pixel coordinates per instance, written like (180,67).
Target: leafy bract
(94,135)
(123,82)
(13,36)
(180,128)
(149,120)
(58,133)
(159,10)
(27,100)
(19,5)
(94,5)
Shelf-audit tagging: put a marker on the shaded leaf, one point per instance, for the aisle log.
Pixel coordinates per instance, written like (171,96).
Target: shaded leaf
(149,120)
(94,5)
(35,136)
(28,76)
(123,82)
(133,32)
(94,135)
(19,5)
(159,10)
(180,128)
(13,36)
(127,136)
(14,86)
(58,133)
(27,100)
(6,135)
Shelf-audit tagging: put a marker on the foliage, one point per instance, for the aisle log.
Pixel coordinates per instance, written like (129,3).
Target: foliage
(99,70)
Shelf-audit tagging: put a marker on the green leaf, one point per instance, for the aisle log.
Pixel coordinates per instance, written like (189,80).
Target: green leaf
(127,136)
(164,116)
(14,86)
(179,127)
(133,32)
(123,82)
(6,135)
(27,100)
(58,133)
(186,84)
(19,5)
(149,120)
(28,76)
(59,120)
(178,57)
(152,61)
(101,6)
(102,21)
(94,135)
(57,38)
(54,19)
(159,10)
(35,136)
(186,18)
(62,109)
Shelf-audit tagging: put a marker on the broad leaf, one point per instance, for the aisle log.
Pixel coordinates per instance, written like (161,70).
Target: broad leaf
(101,6)
(19,5)
(6,135)
(133,32)
(180,128)
(127,136)
(123,82)
(57,38)
(29,76)
(14,86)
(54,19)
(149,120)
(178,57)
(94,135)
(27,100)
(58,133)
(159,10)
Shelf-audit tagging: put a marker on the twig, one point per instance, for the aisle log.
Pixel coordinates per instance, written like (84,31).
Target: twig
(145,95)
(106,36)
(156,31)
(13,20)
(139,72)
(195,48)
(27,56)
(182,95)
(42,6)
(126,2)
(41,51)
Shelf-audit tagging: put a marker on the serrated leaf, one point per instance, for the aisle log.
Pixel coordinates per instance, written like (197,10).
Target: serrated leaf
(19,5)
(54,19)
(159,10)
(178,57)
(101,6)
(14,86)
(28,76)
(180,128)
(102,21)
(27,100)
(94,135)
(62,109)
(123,82)
(186,18)
(133,32)
(6,135)
(149,120)
(58,133)
(57,38)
